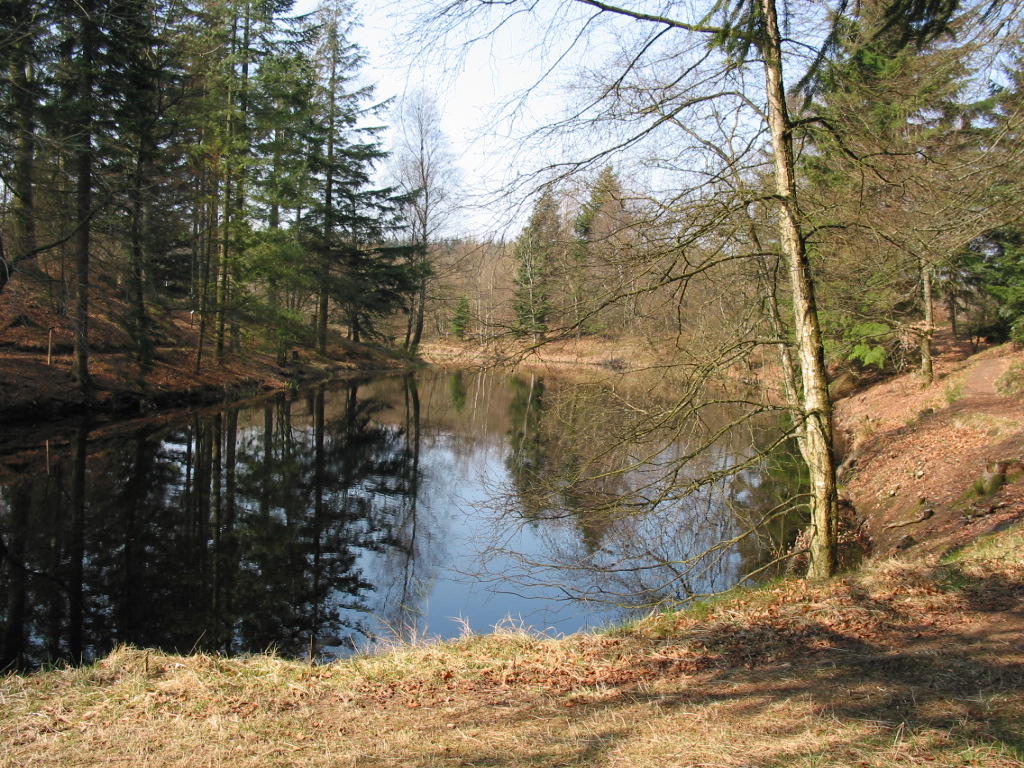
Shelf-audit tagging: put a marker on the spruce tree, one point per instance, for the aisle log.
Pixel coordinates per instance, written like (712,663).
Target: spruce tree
(461,317)
(350,221)
(535,252)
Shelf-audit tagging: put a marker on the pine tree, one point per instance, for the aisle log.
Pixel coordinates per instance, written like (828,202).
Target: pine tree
(349,220)
(146,139)
(76,120)
(535,252)
(461,317)
(23,41)
(884,169)
(597,257)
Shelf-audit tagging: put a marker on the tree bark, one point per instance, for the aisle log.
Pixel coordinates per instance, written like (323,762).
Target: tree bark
(816,409)
(927,372)
(83,194)
(23,185)
(137,236)
(324,276)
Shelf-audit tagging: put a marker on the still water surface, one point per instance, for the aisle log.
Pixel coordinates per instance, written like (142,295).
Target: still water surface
(320,520)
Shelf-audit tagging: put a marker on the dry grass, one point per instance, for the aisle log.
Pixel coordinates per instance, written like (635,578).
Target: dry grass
(1011,382)
(900,664)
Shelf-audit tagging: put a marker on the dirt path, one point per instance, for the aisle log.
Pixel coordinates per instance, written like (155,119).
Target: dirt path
(981,379)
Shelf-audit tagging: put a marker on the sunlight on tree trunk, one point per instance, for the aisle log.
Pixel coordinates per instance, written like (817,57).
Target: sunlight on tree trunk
(816,409)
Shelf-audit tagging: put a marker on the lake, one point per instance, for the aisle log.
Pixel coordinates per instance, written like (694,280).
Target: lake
(322,520)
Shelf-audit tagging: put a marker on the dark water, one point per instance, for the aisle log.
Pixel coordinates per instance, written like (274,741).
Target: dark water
(317,521)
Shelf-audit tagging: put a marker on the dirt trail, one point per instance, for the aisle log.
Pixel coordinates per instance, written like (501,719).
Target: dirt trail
(981,379)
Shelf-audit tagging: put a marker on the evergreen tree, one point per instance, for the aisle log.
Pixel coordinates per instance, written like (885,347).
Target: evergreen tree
(892,150)
(23,40)
(144,146)
(535,253)
(276,262)
(349,220)
(461,317)
(598,255)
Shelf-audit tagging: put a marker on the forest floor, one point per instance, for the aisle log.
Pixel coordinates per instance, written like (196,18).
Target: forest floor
(916,657)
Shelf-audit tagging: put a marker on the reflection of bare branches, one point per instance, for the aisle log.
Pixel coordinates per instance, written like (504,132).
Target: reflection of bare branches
(641,501)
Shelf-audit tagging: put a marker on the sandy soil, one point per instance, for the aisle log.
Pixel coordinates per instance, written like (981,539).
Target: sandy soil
(911,449)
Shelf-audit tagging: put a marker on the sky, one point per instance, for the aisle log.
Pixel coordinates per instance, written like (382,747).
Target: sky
(469,88)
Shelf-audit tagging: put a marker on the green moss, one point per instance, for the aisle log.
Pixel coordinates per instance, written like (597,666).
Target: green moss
(954,392)
(1007,544)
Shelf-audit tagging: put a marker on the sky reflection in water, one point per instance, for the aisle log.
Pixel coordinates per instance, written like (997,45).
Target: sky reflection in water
(316,521)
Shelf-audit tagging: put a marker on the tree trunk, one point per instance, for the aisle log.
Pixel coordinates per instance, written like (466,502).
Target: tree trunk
(227,215)
(136,235)
(223,269)
(329,213)
(83,195)
(23,185)
(816,415)
(206,253)
(323,305)
(421,304)
(927,372)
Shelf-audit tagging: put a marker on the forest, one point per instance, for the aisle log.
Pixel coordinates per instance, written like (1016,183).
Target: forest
(801,189)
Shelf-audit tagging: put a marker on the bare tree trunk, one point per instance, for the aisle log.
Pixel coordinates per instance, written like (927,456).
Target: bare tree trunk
(421,304)
(321,313)
(207,252)
(227,215)
(927,372)
(83,198)
(816,427)
(137,226)
(409,320)
(223,270)
(23,186)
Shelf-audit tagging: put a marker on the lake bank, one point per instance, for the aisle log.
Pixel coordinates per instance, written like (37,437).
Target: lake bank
(36,391)
(899,663)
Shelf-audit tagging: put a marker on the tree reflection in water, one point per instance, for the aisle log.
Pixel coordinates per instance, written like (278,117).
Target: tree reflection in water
(314,522)
(642,505)
(236,531)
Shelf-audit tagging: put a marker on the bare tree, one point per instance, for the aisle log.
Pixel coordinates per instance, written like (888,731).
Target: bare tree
(426,170)
(715,51)
(697,98)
